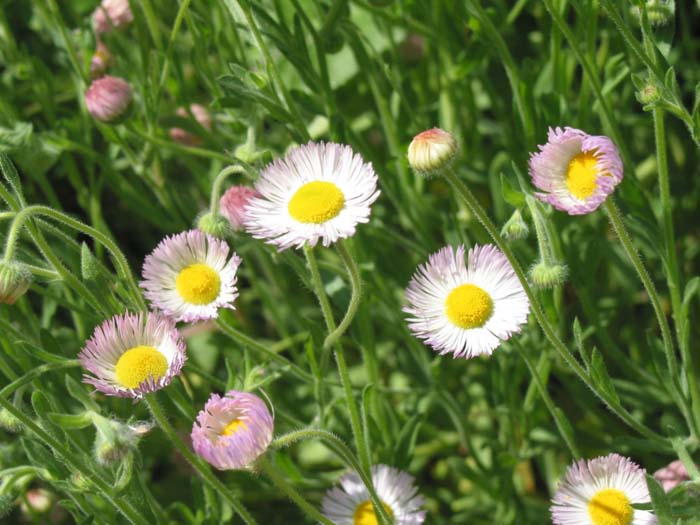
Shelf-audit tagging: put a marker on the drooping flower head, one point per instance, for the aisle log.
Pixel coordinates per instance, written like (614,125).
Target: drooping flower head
(672,475)
(349,504)
(233,203)
(133,354)
(15,279)
(466,307)
(319,191)
(112,14)
(189,276)
(232,431)
(601,491)
(576,170)
(108,99)
(431,150)
(201,115)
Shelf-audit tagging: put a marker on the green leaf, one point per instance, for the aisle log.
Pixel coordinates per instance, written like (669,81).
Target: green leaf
(600,376)
(71,421)
(77,392)
(14,138)
(662,508)
(512,196)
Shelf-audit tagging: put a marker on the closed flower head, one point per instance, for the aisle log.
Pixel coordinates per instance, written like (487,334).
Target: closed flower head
(112,14)
(672,475)
(108,99)
(101,60)
(431,150)
(184,137)
(233,204)
(15,279)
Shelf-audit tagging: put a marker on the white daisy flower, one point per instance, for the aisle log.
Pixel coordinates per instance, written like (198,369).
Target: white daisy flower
(189,276)
(319,191)
(349,504)
(601,491)
(466,308)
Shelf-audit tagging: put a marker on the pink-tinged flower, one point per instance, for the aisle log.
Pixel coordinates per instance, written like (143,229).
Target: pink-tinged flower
(133,354)
(601,491)
(431,150)
(349,504)
(466,307)
(184,137)
(108,99)
(15,279)
(576,170)
(101,60)
(112,14)
(232,431)
(319,191)
(672,475)
(189,276)
(233,203)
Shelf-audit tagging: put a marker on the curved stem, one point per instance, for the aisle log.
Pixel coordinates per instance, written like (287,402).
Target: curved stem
(277,478)
(36,372)
(356,284)
(216,187)
(202,470)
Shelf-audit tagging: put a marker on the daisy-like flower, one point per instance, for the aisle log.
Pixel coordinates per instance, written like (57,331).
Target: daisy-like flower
(601,491)
(576,170)
(133,354)
(349,504)
(189,276)
(232,431)
(317,192)
(466,307)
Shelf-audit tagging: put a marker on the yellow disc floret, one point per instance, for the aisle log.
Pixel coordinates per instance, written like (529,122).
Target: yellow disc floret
(364,513)
(138,364)
(581,175)
(233,427)
(610,507)
(469,306)
(316,202)
(198,284)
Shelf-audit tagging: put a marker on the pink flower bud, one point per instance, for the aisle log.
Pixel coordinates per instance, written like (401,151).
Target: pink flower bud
(672,475)
(232,204)
(431,150)
(112,14)
(100,61)
(184,137)
(108,99)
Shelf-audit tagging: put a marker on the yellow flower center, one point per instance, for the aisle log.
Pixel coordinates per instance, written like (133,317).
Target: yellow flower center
(198,284)
(581,175)
(316,202)
(233,427)
(610,507)
(138,364)
(468,306)
(364,513)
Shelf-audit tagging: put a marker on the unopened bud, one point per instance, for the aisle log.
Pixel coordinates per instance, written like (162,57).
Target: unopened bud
(431,151)
(659,12)
(412,49)
(234,202)
(9,422)
(37,501)
(649,94)
(183,136)
(216,225)
(108,99)
(545,275)
(672,475)
(112,14)
(101,60)
(15,279)
(516,228)
(113,441)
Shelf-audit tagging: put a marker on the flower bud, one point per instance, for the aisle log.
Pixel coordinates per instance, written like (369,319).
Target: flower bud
(38,501)
(108,99)
(15,279)
(672,475)
(112,14)
(431,151)
(233,203)
(545,275)
(659,12)
(516,228)
(113,441)
(9,422)
(412,49)
(215,225)
(101,60)
(649,94)
(184,137)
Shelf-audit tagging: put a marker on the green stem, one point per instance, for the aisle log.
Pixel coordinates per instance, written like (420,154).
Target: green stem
(549,331)
(42,272)
(66,41)
(218,182)
(6,215)
(35,373)
(196,463)
(184,5)
(356,284)
(271,471)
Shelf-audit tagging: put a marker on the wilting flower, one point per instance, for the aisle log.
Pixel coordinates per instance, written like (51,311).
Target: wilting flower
(576,170)
(466,308)
(15,279)
(112,14)
(233,203)
(431,150)
(232,431)
(108,99)
(100,61)
(189,276)
(133,354)
(349,504)
(319,191)
(601,491)
(183,136)
(672,475)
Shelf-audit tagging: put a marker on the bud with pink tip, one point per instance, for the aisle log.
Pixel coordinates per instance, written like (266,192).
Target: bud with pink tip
(112,14)
(431,150)
(108,99)
(184,137)
(15,279)
(101,60)
(672,475)
(233,202)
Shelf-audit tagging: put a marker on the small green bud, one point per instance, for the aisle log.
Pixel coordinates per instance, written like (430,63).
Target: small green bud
(215,225)
(649,94)
(113,441)
(432,150)
(659,12)
(545,275)
(9,422)
(15,279)
(516,228)
(80,482)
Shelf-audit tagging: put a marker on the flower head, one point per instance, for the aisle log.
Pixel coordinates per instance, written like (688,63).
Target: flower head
(672,475)
(112,14)
(431,150)
(466,307)
(15,279)
(189,276)
(100,61)
(133,354)
(601,491)
(319,191)
(576,170)
(108,99)
(349,504)
(233,203)
(232,431)
(201,115)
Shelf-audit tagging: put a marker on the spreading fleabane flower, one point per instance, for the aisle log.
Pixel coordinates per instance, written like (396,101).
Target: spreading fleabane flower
(431,150)
(189,276)
(133,354)
(466,307)
(601,491)
(233,203)
(349,504)
(232,431)
(112,14)
(319,191)
(576,170)
(108,99)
